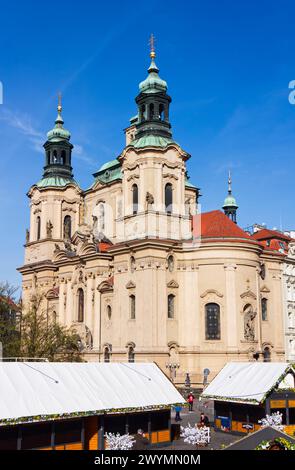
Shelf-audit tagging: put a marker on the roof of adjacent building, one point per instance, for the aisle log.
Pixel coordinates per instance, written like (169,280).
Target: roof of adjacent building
(245,382)
(273,240)
(42,390)
(253,439)
(216,224)
(266,234)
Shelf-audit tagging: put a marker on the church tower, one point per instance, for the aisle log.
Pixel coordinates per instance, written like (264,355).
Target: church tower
(157,196)
(55,200)
(58,152)
(230,205)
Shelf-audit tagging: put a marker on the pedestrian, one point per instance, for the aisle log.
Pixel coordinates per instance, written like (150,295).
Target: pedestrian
(204,421)
(177,413)
(141,442)
(190,400)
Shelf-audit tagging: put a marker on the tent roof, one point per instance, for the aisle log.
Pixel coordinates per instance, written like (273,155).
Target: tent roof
(43,389)
(246,382)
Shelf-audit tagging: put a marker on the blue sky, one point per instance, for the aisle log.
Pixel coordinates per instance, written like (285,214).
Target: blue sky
(227,63)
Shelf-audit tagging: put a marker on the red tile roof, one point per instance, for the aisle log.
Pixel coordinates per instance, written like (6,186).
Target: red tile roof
(266,234)
(216,224)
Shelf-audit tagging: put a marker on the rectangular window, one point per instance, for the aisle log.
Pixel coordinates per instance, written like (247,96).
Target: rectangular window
(132,307)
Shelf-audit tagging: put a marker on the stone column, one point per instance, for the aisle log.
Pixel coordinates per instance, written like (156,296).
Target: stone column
(231,313)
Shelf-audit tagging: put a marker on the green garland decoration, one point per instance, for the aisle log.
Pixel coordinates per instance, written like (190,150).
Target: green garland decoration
(265,445)
(81,414)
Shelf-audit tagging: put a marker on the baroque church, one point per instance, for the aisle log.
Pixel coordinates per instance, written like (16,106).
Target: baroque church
(134,267)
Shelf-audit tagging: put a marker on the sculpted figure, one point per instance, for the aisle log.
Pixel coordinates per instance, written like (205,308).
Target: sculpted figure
(49,228)
(249,327)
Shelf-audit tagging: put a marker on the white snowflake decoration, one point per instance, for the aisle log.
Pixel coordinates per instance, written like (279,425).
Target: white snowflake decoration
(195,436)
(118,441)
(274,420)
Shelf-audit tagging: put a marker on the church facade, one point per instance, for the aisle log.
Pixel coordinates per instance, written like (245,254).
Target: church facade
(134,267)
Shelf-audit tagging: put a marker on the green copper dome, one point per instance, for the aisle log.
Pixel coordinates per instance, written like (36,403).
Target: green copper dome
(58,132)
(153,83)
(55,181)
(230,201)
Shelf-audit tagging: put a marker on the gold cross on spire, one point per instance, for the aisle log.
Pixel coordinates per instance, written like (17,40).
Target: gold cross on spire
(152,46)
(59,107)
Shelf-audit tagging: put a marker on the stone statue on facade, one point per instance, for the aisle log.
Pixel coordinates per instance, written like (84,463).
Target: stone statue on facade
(149,199)
(27,235)
(49,228)
(249,325)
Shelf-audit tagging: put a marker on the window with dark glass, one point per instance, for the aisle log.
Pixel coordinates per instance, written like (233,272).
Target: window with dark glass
(134,199)
(168,198)
(63,157)
(171,302)
(80,305)
(109,312)
(67,227)
(264,309)
(38,228)
(212,314)
(132,307)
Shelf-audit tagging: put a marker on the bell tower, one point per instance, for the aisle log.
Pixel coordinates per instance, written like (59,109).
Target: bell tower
(153,102)
(58,149)
(230,205)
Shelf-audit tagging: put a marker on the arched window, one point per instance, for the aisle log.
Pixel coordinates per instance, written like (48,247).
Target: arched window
(67,227)
(131,354)
(107,354)
(48,157)
(142,113)
(109,312)
(80,305)
(54,157)
(161,112)
(152,112)
(63,157)
(266,354)
(212,319)
(264,309)
(101,216)
(171,305)
(132,264)
(134,198)
(132,307)
(168,198)
(170,263)
(38,228)
(54,316)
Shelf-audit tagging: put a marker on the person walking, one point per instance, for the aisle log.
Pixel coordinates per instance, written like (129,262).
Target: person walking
(190,400)
(177,413)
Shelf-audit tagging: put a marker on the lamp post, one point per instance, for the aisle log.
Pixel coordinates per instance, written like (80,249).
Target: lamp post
(172,366)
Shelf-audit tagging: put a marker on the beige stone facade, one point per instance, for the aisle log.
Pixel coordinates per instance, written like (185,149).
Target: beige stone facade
(142,282)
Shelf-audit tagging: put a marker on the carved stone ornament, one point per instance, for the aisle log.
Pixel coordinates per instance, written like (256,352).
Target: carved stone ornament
(49,228)
(249,324)
(149,199)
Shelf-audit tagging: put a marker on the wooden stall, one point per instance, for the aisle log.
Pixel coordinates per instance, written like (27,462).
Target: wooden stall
(244,393)
(104,398)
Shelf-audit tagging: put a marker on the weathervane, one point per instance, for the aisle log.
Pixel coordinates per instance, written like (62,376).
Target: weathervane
(152,46)
(59,107)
